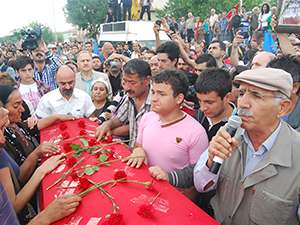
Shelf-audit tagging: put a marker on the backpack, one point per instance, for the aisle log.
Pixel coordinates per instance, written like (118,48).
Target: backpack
(4,68)
(235,22)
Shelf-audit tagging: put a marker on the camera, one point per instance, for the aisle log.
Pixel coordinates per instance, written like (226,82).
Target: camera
(172,28)
(244,34)
(158,22)
(114,64)
(32,37)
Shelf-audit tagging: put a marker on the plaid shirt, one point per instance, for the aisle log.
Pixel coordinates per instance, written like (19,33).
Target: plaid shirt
(48,75)
(126,114)
(42,87)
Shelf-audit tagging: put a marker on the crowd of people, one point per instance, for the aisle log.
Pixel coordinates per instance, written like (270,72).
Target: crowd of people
(183,91)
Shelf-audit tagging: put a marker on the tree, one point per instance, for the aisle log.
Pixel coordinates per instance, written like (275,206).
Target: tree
(201,8)
(86,14)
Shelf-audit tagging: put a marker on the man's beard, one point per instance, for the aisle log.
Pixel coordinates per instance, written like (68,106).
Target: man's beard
(67,92)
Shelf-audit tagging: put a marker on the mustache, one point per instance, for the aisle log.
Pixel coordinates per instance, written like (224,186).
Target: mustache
(245,112)
(130,91)
(39,54)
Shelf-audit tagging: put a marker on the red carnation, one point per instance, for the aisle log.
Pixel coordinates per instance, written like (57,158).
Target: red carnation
(63,126)
(92,142)
(116,219)
(152,184)
(82,132)
(81,124)
(112,151)
(120,175)
(83,183)
(67,147)
(65,135)
(74,175)
(71,161)
(146,211)
(109,138)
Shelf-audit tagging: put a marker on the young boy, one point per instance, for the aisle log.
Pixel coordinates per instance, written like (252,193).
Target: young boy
(30,88)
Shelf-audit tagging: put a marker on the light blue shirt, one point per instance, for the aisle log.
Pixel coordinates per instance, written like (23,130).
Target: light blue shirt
(253,157)
(87,84)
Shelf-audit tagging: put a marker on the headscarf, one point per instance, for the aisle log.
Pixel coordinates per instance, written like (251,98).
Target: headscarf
(5,91)
(101,80)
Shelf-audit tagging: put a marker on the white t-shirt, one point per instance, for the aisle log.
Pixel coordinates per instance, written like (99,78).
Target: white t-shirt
(30,93)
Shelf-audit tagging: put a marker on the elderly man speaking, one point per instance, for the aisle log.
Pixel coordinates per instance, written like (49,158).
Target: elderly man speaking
(259,180)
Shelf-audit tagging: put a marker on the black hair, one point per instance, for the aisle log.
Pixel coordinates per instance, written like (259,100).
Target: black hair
(221,44)
(268,8)
(171,49)
(143,49)
(119,43)
(243,6)
(177,79)
(208,58)
(214,79)
(23,61)
(88,43)
(288,63)
(150,51)
(139,67)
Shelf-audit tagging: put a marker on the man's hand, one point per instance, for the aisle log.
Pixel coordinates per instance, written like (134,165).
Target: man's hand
(221,145)
(42,46)
(95,119)
(237,40)
(67,117)
(58,209)
(102,130)
(158,173)
(273,23)
(165,26)
(136,161)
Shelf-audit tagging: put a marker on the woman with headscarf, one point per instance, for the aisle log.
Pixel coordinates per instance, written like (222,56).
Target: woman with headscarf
(11,174)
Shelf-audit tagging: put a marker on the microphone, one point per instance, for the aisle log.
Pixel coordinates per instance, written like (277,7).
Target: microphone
(234,122)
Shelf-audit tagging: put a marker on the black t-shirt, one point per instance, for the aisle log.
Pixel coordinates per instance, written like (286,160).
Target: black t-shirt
(110,17)
(115,83)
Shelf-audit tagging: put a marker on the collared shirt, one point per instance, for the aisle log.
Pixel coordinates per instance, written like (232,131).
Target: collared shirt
(87,84)
(126,114)
(212,20)
(202,176)
(80,104)
(102,58)
(223,24)
(254,157)
(244,25)
(48,75)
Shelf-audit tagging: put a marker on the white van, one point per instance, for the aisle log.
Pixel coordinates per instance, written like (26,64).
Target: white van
(129,31)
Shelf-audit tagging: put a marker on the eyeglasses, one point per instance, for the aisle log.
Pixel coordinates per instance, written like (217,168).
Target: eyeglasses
(253,94)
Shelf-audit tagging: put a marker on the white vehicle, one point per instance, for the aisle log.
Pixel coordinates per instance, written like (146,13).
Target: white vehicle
(130,31)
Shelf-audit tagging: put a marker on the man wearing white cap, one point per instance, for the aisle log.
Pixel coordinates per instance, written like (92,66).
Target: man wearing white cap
(258,182)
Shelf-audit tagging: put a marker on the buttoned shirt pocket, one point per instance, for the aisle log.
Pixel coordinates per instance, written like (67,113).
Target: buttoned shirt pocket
(267,208)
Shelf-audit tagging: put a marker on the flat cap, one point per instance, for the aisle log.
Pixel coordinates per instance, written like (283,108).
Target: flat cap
(267,78)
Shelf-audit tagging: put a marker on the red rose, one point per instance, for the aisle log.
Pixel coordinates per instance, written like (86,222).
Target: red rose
(83,183)
(73,175)
(71,161)
(63,126)
(67,147)
(152,184)
(98,154)
(65,135)
(116,219)
(92,142)
(146,211)
(120,175)
(109,138)
(82,132)
(81,124)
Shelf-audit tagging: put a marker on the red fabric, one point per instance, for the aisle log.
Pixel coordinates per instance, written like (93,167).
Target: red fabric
(229,14)
(181,210)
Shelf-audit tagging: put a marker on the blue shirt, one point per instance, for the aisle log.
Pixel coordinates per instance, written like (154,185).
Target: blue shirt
(102,58)
(223,24)
(87,85)
(10,70)
(48,75)
(253,157)
(244,25)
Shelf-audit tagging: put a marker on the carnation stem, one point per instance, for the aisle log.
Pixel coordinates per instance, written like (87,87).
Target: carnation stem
(155,198)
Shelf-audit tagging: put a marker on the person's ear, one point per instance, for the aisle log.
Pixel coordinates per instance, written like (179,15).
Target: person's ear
(174,62)
(295,88)
(283,107)
(179,98)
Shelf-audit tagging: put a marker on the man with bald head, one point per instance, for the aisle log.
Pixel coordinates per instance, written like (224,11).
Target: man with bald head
(107,49)
(65,99)
(154,65)
(261,59)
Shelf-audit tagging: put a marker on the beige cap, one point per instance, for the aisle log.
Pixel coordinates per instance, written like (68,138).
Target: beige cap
(268,79)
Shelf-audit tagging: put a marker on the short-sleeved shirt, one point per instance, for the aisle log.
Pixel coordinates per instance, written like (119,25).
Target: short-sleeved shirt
(173,145)
(212,20)
(80,104)
(126,114)
(190,23)
(223,24)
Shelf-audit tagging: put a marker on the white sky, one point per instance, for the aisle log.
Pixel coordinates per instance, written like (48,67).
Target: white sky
(19,13)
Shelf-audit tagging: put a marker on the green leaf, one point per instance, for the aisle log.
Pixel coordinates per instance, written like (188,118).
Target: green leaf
(103,158)
(75,146)
(107,216)
(84,142)
(89,171)
(106,163)
(77,154)
(95,168)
